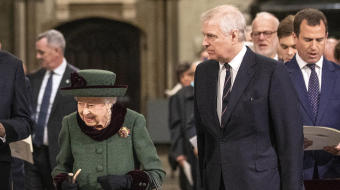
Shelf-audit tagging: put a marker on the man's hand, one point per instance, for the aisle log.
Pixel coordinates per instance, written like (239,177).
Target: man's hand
(2,130)
(196,152)
(335,150)
(307,143)
(180,159)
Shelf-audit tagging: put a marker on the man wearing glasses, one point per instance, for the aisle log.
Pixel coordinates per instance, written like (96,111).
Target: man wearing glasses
(264,36)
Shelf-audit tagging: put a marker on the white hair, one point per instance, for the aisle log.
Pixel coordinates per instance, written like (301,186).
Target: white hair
(54,38)
(228,18)
(266,15)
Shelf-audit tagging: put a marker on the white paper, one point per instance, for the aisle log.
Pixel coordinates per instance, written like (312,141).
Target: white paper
(22,149)
(187,171)
(321,136)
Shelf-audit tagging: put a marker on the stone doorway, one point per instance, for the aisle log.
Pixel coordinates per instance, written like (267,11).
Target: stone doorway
(98,43)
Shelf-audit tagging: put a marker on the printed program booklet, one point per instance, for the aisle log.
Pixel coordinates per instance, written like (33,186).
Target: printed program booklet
(321,136)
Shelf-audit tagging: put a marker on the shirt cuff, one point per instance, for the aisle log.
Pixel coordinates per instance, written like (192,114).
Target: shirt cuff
(193,141)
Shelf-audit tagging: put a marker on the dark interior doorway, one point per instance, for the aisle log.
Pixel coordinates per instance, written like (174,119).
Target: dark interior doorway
(98,43)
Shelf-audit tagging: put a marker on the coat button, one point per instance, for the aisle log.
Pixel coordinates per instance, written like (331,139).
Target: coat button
(99,150)
(100,168)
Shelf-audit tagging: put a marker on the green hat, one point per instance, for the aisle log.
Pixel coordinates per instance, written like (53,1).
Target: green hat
(94,83)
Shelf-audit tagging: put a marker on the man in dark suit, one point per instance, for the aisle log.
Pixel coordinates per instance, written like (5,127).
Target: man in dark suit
(49,105)
(317,82)
(249,131)
(181,109)
(180,150)
(15,122)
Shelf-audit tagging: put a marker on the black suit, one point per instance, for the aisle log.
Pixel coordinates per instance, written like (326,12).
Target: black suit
(261,144)
(62,105)
(181,110)
(14,110)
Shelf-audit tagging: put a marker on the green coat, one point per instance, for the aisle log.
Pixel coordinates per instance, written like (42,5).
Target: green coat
(113,156)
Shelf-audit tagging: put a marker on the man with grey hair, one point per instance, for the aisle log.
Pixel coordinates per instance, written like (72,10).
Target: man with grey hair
(49,107)
(264,28)
(249,132)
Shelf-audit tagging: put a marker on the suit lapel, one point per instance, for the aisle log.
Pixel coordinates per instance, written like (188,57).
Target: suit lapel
(328,81)
(208,100)
(300,86)
(212,87)
(243,77)
(64,82)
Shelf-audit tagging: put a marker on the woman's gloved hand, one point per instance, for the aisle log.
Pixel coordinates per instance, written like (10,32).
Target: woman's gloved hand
(115,182)
(69,186)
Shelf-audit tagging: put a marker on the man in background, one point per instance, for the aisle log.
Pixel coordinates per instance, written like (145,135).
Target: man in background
(287,48)
(329,49)
(184,76)
(49,107)
(317,84)
(180,109)
(264,28)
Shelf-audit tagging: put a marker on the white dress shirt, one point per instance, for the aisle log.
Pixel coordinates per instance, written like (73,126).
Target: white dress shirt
(306,71)
(3,139)
(234,64)
(56,79)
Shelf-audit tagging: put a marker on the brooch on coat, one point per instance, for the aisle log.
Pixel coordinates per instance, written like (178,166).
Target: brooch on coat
(124,132)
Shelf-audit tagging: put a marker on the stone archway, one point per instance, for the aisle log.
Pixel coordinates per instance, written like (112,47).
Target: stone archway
(98,43)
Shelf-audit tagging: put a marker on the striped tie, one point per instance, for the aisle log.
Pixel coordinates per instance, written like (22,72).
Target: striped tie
(226,92)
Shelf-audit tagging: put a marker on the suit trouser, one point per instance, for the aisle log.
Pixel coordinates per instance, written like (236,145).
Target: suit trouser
(4,175)
(222,183)
(183,181)
(17,174)
(38,175)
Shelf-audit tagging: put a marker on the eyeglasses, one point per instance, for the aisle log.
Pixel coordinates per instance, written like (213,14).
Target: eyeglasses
(265,34)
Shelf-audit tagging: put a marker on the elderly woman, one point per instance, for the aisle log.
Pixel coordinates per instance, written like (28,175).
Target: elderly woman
(108,142)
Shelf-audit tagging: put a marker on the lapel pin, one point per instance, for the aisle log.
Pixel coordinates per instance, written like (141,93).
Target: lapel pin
(124,132)
(67,81)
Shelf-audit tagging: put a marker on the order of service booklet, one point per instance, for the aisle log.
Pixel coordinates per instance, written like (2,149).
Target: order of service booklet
(321,136)
(22,149)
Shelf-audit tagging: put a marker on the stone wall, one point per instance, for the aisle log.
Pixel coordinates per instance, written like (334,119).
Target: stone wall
(170,30)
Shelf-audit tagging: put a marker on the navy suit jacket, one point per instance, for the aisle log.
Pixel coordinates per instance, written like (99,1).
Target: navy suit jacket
(328,115)
(261,144)
(14,108)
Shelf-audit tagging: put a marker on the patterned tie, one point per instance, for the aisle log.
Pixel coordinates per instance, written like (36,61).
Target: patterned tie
(226,92)
(39,131)
(313,90)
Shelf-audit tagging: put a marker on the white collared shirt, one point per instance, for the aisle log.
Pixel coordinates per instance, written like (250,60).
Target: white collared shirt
(56,79)
(3,139)
(276,57)
(306,71)
(234,64)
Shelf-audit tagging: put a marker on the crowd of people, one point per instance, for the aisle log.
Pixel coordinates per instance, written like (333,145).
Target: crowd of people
(245,130)
(236,116)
